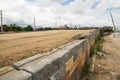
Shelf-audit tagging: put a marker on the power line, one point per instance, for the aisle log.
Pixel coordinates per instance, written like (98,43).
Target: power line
(14,15)
(36,21)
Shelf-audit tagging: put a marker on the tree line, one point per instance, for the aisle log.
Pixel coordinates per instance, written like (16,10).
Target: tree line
(16,28)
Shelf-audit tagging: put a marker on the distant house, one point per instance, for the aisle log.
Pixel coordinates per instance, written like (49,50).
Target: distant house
(60,27)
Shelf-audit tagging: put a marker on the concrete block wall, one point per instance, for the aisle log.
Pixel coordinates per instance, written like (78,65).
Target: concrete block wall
(63,63)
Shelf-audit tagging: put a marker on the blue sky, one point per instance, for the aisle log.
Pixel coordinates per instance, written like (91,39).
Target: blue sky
(48,12)
(95,4)
(67,2)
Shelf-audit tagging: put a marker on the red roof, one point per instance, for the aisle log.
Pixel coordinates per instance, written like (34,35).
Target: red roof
(61,27)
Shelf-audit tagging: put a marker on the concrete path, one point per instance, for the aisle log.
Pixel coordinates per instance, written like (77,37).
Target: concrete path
(108,67)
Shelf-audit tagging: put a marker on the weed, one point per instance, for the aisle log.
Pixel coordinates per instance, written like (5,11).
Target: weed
(96,47)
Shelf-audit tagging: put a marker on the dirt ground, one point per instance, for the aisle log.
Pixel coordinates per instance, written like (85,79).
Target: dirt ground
(108,67)
(18,46)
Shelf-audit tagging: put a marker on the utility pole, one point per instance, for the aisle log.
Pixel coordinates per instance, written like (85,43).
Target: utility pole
(1,21)
(113,22)
(34,23)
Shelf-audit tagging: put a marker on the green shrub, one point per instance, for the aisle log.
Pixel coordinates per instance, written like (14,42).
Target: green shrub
(48,28)
(98,45)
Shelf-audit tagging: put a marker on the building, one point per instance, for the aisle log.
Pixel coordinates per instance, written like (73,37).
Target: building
(60,27)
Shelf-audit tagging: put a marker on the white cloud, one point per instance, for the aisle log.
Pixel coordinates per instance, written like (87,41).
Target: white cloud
(86,12)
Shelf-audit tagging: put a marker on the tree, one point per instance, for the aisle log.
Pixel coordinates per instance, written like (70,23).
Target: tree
(18,28)
(66,26)
(75,27)
(6,28)
(28,28)
(13,27)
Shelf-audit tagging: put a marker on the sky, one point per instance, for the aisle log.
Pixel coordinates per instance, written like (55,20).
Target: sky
(59,12)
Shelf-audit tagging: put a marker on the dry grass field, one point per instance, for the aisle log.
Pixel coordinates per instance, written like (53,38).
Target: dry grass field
(18,46)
